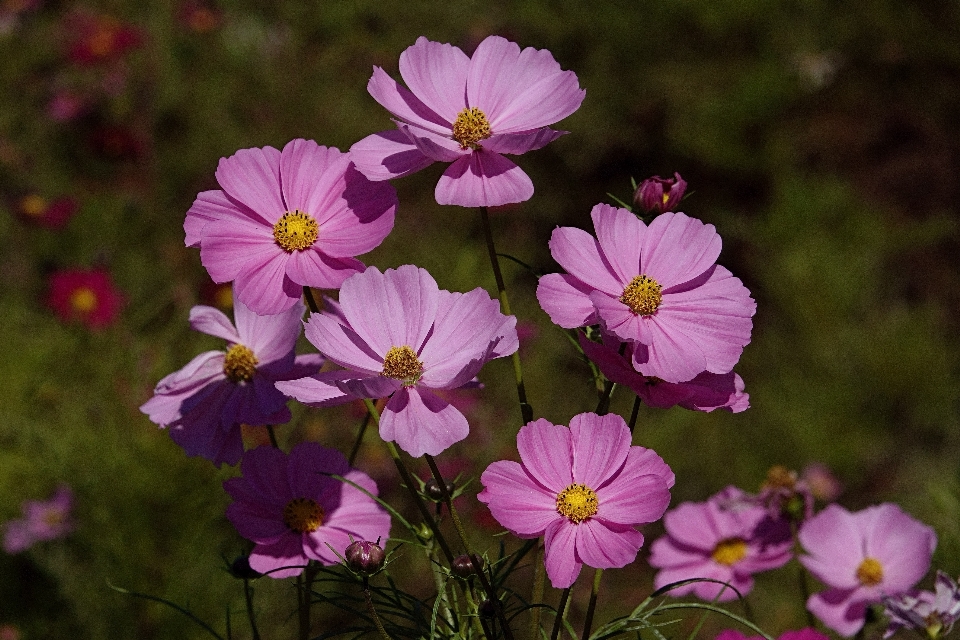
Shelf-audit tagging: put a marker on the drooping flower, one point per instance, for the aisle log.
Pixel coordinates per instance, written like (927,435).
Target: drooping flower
(932,614)
(402,336)
(295,512)
(585,489)
(87,296)
(656,286)
(727,539)
(706,392)
(862,557)
(42,520)
(288,219)
(468,111)
(205,403)
(659,195)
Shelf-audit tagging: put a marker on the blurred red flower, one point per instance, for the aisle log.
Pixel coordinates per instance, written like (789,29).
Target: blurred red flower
(99,38)
(87,296)
(52,214)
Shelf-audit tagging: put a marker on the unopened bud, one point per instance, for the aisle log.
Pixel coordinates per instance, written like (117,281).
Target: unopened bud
(487,609)
(364,557)
(463,565)
(659,195)
(432,488)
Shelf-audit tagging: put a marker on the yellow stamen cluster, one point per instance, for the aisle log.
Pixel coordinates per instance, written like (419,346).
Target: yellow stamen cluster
(870,572)
(296,231)
(577,502)
(303,515)
(729,551)
(642,295)
(470,127)
(240,364)
(83,300)
(401,364)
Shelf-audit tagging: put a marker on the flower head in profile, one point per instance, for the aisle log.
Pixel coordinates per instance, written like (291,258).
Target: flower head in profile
(282,220)
(42,520)
(585,489)
(205,403)
(294,511)
(862,557)
(86,296)
(726,539)
(655,286)
(400,336)
(468,111)
(931,614)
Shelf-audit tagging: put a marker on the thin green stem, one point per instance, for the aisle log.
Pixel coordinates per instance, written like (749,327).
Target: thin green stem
(561,611)
(592,605)
(356,443)
(635,413)
(373,611)
(248,596)
(526,411)
(304,586)
(311,301)
(536,597)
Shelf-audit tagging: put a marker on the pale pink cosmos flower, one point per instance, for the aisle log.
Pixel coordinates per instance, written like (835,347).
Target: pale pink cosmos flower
(42,520)
(468,111)
(930,613)
(656,286)
(294,511)
(585,489)
(862,557)
(401,336)
(287,219)
(204,403)
(726,539)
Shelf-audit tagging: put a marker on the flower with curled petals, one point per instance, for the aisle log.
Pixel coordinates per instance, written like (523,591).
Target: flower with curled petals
(468,111)
(583,488)
(657,286)
(283,220)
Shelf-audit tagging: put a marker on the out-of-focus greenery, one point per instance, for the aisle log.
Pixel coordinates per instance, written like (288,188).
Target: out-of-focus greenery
(820,138)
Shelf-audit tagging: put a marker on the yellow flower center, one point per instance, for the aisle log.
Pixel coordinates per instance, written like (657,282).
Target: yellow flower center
(240,364)
(33,205)
(295,231)
(401,364)
(642,295)
(470,128)
(303,515)
(577,502)
(870,572)
(729,551)
(83,299)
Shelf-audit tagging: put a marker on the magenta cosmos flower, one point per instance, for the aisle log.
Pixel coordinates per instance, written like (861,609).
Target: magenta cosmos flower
(42,520)
(295,512)
(862,557)
(87,296)
(468,111)
(204,404)
(288,219)
(401,336)
(657,286)
(726,539)
(584,489)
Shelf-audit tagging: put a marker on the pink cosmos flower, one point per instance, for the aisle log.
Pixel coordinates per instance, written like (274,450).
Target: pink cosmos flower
(584,489)
(800,634)
(295,512)
(87,296)
(706,392)
(468,111)
(862,557)
(725,538)
(656,286)
(288,219)
(42,520)
(931,613)
(204,403)
(400,336)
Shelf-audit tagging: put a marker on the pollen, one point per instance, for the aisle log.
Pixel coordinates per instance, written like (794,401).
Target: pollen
(296,231)
(83,300)
(240,364)
(729,551)
(470,128)
(303,515)
(870,572)
(401,364)
(642,295)
(577,503)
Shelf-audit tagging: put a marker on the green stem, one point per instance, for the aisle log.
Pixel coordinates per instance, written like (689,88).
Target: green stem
(536,597)
(356,443)
(561,611)
(591,607)
(373,611)
(311,301)
(248,596)
(635,413)
(526,411)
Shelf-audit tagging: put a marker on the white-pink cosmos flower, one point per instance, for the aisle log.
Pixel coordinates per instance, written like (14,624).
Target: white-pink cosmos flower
(468,111)
(400,335)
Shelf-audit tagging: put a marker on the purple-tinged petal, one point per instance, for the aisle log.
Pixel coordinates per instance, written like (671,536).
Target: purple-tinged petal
(483,179)
(620,235)
(560,553)
(517,501)
(603,547)
(387,155)
(285,559)
(436,147)
(581,255)
(213,322)
(264,287)
(369,386)
(313,268)
(620,320)
(309,466)
(421,422)
(672,355)
(359,218)
(633,500)
(405,106)
(270,337)
(252,177)
(341,344)
(229,246)
(209,206)
(311,176)
(678,248)
(545,451)
(833,543)
(522,141)
(318,390)
(437,75)
(835,609)
(566,300)
(599,445)
(462,332)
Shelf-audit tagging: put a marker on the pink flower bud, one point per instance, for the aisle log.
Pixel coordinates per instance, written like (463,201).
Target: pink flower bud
(657,195)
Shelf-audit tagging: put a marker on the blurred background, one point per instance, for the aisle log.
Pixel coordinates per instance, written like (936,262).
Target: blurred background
(821,138)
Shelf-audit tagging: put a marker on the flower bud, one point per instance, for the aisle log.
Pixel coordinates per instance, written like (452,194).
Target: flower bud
(432,488)
(364,557)
(658,195)
(463,566)
(487,609)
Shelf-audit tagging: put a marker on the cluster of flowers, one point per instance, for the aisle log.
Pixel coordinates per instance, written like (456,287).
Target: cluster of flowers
(42,520)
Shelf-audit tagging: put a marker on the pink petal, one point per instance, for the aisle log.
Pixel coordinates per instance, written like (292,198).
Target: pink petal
(252,177)
(341,344)
(565,299)
(619,234)
(545,450)
(483,179)
(634,499)
(602,547)
(265,288)
(437,147)
(316,391)
(581,255)
(313,268)
(834,544)
(560,553)
(230,245)
(387,155)
(677,248)
(210,206)
(599,445)
(400,102)
(213,322)
(516,500)
(836,609)
(672,355)
(462,332)
(273,337)
(521,142)
(436,74)
(421,422)
(358,218)
(620,320)
(284,559)
(311,176)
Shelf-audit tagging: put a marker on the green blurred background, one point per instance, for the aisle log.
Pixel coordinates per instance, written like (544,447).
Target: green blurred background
(821,138)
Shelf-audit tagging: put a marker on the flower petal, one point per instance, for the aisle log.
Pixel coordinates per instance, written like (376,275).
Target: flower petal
(387,155)
(437,75)
(483,179)
(545,450)
(560,553)
(517,501)
(604,547)
(252,177)
(213,322)
(678,248)
(620,235)
(421,422)
(581,255)
(600,445)
(265,288)
(522,141)
(566,300)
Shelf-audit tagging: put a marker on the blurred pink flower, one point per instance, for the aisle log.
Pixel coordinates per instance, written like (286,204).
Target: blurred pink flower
(468,111)
(584,489)
(66,105)
(99,38)
(862,557)
(9,632)
(204,403)
(656,286)
(402,336)
(288,219)
(42,520)
(822,482)
(926,612)
(87,296)
(726,538)
(292,509)
(52,214)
